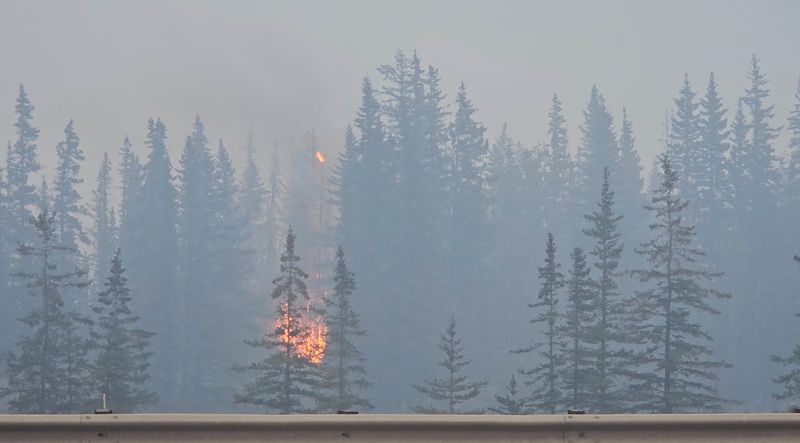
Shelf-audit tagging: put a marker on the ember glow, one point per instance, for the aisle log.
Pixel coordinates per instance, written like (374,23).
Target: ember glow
(320,158)
(310,344)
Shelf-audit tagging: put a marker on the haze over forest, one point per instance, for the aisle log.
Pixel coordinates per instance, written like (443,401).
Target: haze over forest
(454,207)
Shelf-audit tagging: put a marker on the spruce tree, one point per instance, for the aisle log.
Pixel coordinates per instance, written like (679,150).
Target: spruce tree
(712,182)
(343,364)
(546,377)
(252,201)
(454,388)
(580,372)
(558,173)
(49,371)
(684,140)
(513,403)
(676,368)
(274,215)
(66,199)
(609,309)
(285,381)
(104,231)
(121,366)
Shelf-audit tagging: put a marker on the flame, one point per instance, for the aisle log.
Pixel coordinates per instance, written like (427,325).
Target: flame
(309,345)
(320,158)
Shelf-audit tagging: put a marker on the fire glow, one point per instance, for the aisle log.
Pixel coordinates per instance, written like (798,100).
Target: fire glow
(320,158)
(311,344)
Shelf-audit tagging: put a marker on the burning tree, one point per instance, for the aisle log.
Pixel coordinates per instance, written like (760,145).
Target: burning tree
(288,379)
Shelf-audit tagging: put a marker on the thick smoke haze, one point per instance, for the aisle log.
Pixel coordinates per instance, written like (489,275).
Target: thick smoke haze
(579,204)
(281,68)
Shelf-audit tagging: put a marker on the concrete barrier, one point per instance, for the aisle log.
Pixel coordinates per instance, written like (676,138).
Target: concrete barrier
(589,428)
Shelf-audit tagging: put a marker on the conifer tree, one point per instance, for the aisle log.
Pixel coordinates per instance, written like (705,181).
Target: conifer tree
(714,193)
(454,388)
(252,201)
(285,382)
(343,364)
(628,185)
(512,403)
(598,150)
(609,309)
(104,231)
(684,139)
(66,199)
(578,333)
(789,380)
(21,199)
(546,377)
(274,211)
(121,366)
(558,169)
(49,372)
(677,371)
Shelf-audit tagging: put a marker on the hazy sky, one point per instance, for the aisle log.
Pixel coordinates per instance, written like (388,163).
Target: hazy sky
(283,67)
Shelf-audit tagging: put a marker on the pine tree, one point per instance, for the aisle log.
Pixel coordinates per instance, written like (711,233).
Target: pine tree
(558,169)
(684,141)
(49,372)
(152,265)
(22,165)
(677,373)
(578,333)
(343,364)
(628,185)
(546,377)
(104,231)
(609,309)
(790,380)
(121,366)
(286,382)
(274,211)
(252,201)
(512,403)
(66,199)
(599,150)
(454,388)
(714,193)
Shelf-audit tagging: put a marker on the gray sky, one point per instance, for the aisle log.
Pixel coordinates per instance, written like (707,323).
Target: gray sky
(283,67)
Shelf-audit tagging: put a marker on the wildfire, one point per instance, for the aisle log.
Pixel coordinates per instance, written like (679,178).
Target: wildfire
(320,158)
(310,344)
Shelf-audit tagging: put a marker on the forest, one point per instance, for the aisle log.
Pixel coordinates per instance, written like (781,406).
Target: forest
(430,265)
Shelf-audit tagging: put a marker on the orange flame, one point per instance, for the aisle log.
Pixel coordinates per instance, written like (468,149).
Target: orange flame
(320,158)
(310,344)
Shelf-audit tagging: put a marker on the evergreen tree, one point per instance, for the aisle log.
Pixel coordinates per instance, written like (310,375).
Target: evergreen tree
(21,199)
(252,201)
(609,309)
(713,189)
(557,168)
(343,364)
(578,333)
(677,372)
(470,233)
(49,372)
(286,382)
(628,184)
(66,199)
(790,380)
(454,388)
(121,366)
(684,141)
(512,403)
(104,231)
(152,266)
(274,211)
(546,377)
(599,150)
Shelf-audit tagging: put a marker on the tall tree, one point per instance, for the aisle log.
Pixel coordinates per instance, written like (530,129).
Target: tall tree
(343,364)
(680,372)
(454,388)
(610,310)
(104,232)
(714,193)
(49,372)
(578,333)
(121,366)
(66,199)
(286,382)
(21,199)
(546,376)
(558,171)
(252,201)
(152,265)
(598,150)
(684,138)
